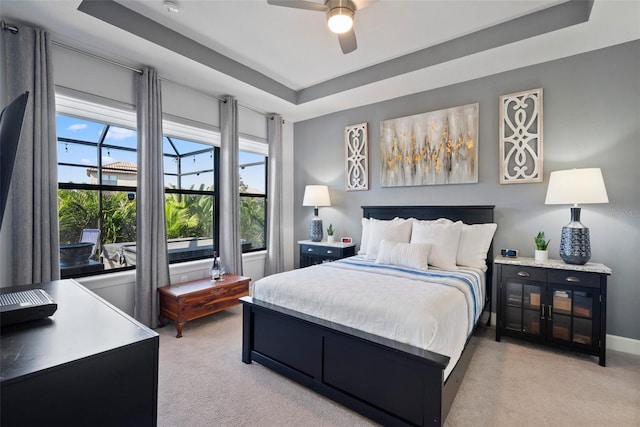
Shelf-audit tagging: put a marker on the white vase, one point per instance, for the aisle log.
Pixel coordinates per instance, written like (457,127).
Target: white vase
(542,256)
(330,239)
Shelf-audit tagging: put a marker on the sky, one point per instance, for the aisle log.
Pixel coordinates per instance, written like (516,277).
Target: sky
(86,156)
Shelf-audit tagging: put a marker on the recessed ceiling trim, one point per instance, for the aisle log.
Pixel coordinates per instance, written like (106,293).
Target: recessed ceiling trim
(554,18)
(126,19)
(537,23)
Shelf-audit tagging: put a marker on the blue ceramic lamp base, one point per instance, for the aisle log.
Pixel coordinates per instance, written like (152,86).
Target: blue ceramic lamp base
(575,246)
(315,230)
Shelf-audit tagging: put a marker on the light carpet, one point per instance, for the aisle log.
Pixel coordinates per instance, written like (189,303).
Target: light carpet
(203,382)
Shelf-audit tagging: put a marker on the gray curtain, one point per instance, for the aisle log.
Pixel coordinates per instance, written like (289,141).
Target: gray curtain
(152,267)
(33,195)
(229,187)
(275,248)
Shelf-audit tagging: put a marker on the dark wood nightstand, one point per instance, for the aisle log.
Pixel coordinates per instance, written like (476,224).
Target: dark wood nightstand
(553,303)
(312,253)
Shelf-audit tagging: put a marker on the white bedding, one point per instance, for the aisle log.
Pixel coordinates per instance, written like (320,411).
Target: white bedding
(435,309)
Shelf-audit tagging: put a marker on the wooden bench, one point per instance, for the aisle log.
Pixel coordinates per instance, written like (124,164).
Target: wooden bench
(187,301)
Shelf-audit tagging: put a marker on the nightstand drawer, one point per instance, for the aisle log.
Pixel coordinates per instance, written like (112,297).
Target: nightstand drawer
(576,278)
(526,273)
(329,251)
(317,253)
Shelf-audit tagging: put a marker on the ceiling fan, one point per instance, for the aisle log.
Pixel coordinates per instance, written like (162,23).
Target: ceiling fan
(340,16)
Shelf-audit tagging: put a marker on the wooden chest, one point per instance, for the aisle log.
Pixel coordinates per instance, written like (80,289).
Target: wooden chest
(191,300)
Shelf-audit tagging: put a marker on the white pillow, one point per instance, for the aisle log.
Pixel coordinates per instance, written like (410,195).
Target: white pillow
(396,230)
(443,238)
(364,238)
(412,255)
(474,243)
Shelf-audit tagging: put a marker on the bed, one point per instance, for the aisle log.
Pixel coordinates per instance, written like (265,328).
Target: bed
(393,381)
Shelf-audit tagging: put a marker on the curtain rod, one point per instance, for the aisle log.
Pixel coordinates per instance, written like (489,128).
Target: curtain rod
(9,27)
(136,70)
(93,55)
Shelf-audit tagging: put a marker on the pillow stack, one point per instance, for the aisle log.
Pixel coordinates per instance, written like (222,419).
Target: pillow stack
(414,243)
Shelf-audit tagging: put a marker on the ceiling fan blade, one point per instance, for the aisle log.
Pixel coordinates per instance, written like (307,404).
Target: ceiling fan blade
(360,4)
(299,4)
(348,41)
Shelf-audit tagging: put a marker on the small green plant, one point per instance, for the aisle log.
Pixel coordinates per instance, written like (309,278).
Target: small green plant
(541,244)
(330,230)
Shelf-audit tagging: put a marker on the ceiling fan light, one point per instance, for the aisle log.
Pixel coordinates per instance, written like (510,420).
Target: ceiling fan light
(340,19)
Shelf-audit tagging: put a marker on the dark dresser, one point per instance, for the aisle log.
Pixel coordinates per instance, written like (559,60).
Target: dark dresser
(89,364)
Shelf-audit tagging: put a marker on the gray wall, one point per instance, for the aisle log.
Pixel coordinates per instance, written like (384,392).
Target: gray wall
(591,119)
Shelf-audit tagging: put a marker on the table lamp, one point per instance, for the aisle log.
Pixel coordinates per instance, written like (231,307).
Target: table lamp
(316,195)
(572,187)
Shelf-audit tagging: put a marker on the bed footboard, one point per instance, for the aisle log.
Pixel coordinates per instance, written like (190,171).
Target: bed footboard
(389,382)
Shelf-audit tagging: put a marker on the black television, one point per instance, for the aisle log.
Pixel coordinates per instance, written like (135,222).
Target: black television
(11,120)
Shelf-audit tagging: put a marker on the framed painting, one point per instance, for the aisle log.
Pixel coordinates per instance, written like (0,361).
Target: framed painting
(439,147)
(521,137)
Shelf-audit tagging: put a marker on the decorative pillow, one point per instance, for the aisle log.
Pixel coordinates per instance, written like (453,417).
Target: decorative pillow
(474,243)
(396,230)
(433,221)
(412,255)
(443,238)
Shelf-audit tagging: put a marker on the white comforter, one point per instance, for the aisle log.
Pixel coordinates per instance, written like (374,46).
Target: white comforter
(435,310)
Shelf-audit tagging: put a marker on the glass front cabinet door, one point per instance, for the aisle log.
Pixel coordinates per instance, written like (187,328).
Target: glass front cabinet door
(522,294)
(573,309)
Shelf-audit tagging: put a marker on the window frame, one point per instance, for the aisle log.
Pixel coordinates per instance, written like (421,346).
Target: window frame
(260,196)
(113,113)
(99,187)
(189,192)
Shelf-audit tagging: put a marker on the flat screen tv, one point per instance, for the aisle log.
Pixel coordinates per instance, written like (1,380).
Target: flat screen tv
(10,128)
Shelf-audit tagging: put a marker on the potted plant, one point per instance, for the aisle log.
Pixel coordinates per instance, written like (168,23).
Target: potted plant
(330,237)
(542,254)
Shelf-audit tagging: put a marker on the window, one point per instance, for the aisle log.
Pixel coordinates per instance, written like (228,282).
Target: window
(190,199)
(109,179)
(97,180)
(253,197)
(97,175)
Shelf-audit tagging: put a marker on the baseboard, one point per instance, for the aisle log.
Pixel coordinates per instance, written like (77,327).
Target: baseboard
(494,318)
(624,344)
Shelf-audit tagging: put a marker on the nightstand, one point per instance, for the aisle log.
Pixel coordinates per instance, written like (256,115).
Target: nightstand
(312,253)
(553,303)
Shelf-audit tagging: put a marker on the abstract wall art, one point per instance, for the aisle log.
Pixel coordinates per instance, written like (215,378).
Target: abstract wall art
(439,147)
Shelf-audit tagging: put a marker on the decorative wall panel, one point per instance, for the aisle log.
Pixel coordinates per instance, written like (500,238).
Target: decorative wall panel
(521,137)
(356,157)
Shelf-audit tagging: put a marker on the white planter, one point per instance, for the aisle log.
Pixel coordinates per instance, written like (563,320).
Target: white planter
(331,239)
(542,256)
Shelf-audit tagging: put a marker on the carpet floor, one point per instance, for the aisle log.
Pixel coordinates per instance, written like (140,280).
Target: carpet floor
(203,382)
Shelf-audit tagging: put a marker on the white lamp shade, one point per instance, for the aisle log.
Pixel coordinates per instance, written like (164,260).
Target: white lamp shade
(576,186)
(316,195)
